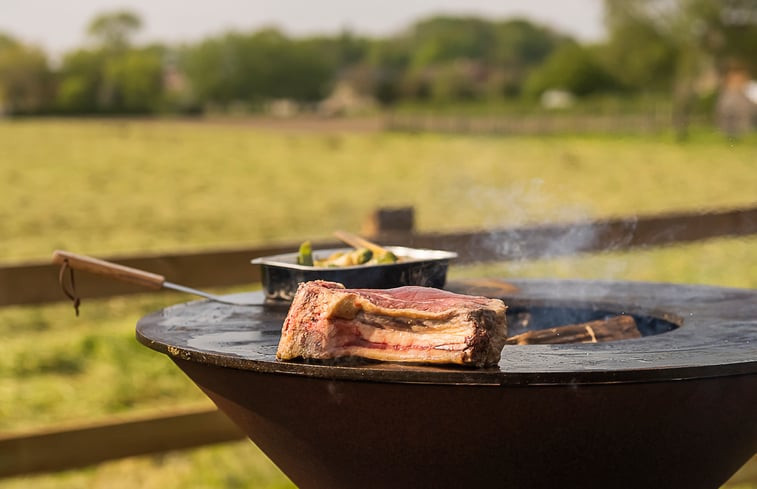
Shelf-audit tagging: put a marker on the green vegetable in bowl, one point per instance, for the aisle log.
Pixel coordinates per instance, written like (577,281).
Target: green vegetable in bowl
(362,255)
(305,256)
(387,257)
(359,256)
(346,259)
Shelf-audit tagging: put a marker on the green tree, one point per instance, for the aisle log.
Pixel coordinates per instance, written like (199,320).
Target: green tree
(641,49)
(25,77)
(387,60)
(446,57)
(726,30)
(80,81)
(442,39)
(574,68)
(521,42)
(669,44)
(339,52)
(454,81)
(114,30)
(6,41)
(255,67)
(136,80)
(520,47)
(113,76)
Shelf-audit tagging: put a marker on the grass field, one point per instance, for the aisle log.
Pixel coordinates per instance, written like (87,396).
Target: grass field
(106,187)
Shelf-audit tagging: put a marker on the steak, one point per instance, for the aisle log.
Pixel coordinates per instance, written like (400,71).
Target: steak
(407,324)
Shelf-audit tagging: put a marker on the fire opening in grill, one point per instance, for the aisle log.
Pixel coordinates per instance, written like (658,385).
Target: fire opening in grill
(583,323)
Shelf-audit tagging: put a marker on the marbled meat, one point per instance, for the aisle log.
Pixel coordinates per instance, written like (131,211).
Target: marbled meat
(407,324)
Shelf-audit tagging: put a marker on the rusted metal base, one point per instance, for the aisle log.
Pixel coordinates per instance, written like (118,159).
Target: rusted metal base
(335,434)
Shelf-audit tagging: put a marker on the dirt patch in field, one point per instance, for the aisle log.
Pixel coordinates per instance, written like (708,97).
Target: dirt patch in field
(300,124)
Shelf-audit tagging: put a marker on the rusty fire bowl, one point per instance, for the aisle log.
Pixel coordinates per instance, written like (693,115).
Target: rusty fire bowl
(676,408)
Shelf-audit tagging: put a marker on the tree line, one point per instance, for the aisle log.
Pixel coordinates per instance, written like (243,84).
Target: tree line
(652,46)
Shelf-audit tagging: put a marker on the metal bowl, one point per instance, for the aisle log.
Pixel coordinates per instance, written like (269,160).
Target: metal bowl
(280,274)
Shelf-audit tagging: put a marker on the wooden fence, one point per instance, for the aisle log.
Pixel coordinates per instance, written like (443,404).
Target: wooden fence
(653,122)
(61,448)
(37,283)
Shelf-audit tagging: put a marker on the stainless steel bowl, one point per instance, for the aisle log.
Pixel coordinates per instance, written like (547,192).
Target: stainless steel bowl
(281,274)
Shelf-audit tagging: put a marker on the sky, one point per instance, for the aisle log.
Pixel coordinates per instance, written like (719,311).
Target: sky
(58,26)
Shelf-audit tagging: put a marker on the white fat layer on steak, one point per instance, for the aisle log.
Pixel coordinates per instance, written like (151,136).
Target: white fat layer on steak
(406,334)
(430,338)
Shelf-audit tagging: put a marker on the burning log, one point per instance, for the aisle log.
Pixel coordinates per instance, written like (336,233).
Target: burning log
(611,329)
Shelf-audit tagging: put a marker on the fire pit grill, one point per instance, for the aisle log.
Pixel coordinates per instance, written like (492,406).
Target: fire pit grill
(674,408)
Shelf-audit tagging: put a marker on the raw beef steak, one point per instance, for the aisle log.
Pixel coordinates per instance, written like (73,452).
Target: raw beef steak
(405,324)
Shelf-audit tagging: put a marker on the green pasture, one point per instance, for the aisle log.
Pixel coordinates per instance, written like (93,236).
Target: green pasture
(105,187)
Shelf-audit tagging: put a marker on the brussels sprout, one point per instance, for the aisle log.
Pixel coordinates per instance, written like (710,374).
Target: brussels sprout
(387,257)
(361,256)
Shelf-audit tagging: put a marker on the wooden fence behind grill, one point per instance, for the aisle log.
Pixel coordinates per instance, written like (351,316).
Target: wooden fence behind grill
(37,283)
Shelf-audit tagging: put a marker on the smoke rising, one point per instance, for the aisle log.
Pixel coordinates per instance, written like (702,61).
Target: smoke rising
(527,223)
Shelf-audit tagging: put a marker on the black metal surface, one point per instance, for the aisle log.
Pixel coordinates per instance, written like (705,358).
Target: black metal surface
(675,408)
(718,336)
(280,275)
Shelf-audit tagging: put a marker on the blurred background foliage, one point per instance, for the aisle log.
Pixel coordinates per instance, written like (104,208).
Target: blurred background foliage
(667,48)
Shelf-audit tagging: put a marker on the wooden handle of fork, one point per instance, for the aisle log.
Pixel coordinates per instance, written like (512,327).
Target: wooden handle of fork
(109,269)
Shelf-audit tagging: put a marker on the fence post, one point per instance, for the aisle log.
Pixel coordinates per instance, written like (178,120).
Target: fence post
(390,222)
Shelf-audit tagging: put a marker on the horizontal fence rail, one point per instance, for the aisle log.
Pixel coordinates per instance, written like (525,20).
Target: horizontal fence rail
(80,446)
(36,283)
